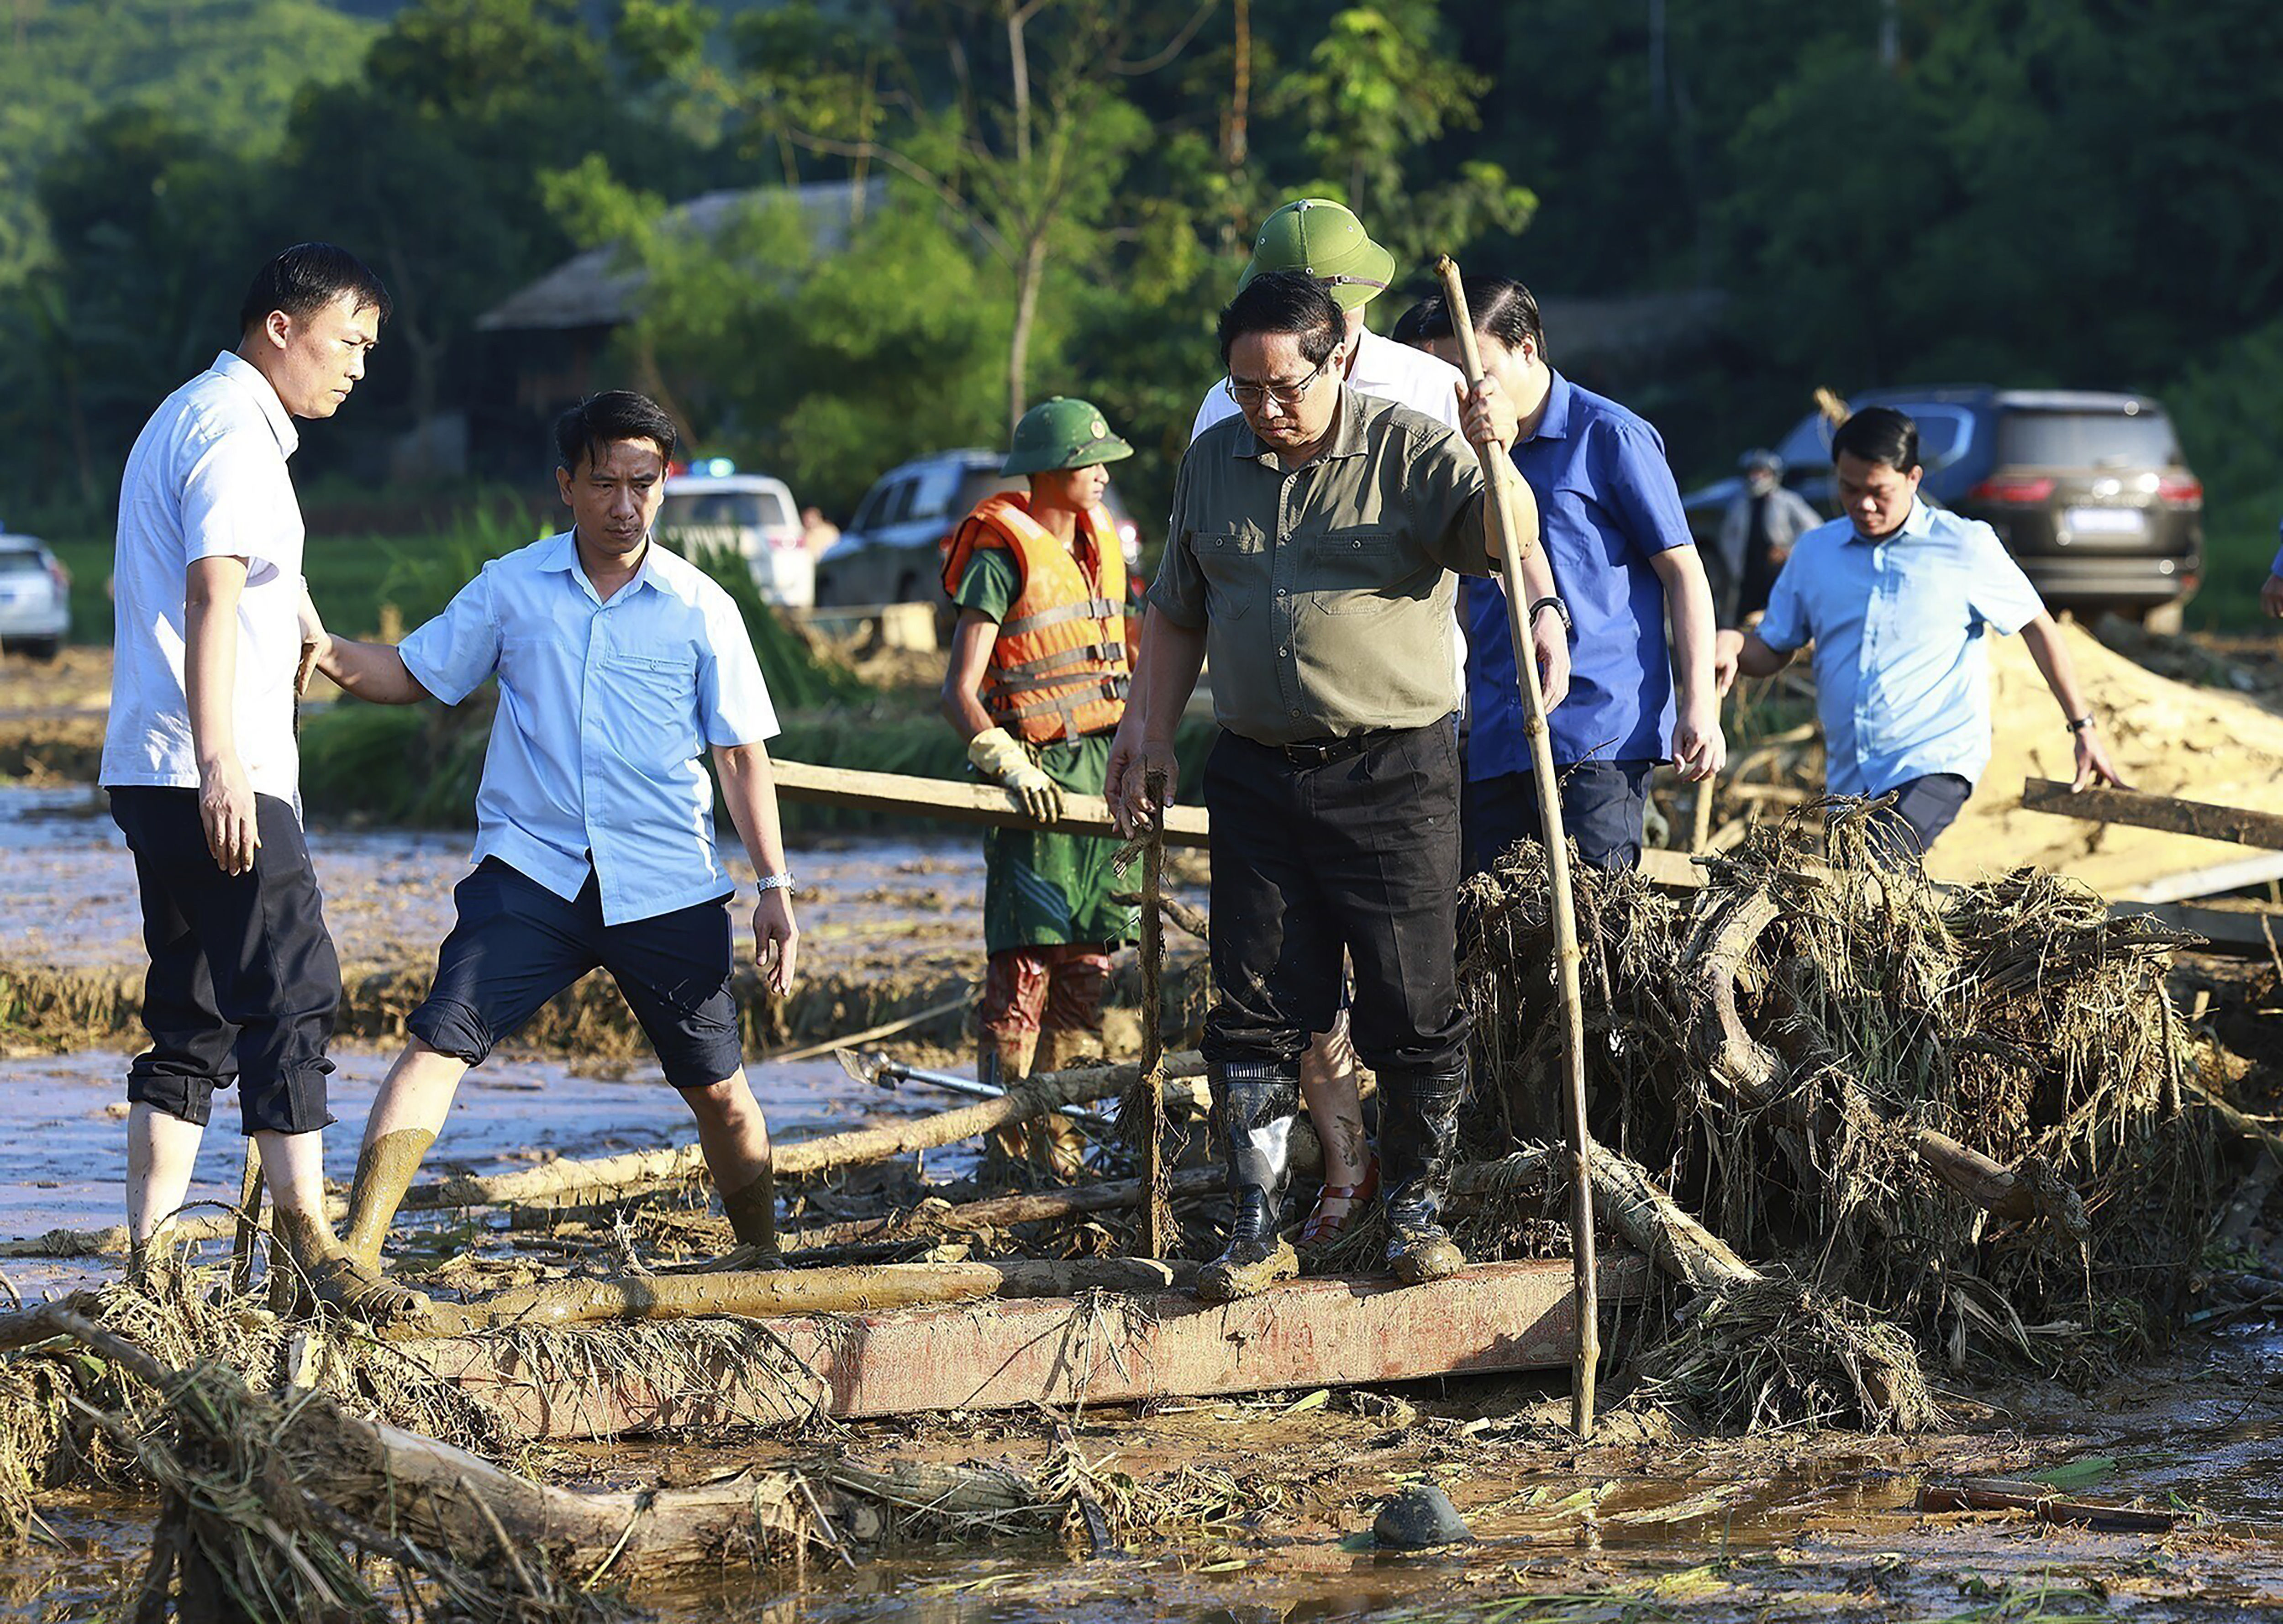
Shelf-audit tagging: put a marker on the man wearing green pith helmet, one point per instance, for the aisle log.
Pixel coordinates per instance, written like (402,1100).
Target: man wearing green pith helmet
(1036,684)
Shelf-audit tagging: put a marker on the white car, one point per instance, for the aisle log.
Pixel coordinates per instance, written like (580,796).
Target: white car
(751,514)
(34,597)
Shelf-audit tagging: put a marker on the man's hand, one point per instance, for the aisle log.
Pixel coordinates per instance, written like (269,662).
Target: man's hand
(1550,639)
(226,810)
(1725,646)
(1486,414)
(1699,751)
(317,644)
(2092,762)
(2270,597)
(1133,759)
(998,755)
(776,940)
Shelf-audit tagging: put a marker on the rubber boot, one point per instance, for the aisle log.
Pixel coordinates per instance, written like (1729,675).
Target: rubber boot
(1044,1151)
(753,1212)
(1418,1139)
(385,1172)
(161,1267)
(1254,1105)
(316,1272)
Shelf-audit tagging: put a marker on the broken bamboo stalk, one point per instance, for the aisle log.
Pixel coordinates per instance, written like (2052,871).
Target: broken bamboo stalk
(1499,475)
(1634,1205)
(2205,819)
(770,1293)
(964,802)
(1156,1200)
(248,1220)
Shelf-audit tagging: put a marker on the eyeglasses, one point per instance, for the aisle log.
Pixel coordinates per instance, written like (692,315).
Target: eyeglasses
(1285,395)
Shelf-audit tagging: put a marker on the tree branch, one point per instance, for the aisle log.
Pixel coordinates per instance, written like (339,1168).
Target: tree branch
(1181,43)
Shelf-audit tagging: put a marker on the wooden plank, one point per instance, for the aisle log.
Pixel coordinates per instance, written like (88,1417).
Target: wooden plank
(2212,882)
(2233,932)
(2205,820)
(1324,1331)
(962,801)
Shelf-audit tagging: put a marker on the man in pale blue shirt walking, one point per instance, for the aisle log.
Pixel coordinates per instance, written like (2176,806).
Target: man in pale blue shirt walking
(619,666)
(1896,597)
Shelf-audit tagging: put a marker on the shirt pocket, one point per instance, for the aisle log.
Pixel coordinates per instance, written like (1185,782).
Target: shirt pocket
(1356,572)
(644,710)
(1235,564)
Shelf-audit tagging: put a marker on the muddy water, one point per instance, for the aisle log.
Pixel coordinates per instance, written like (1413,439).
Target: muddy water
(70,901)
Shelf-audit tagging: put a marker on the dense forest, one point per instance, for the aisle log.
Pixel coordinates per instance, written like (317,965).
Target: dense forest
(2020,191)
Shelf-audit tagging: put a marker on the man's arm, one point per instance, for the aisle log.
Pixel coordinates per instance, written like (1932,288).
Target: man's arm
(1755,658)
(1487,419)
(749,788)
(961,699)
(211,589)
(2059,673)
(1698,749)
(1171,656)
(374,673)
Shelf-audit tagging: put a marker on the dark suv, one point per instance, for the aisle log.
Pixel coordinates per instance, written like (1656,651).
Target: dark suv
(2088,490)
(891,551)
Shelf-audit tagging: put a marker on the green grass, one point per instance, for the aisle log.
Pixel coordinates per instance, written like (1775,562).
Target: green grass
(350,577)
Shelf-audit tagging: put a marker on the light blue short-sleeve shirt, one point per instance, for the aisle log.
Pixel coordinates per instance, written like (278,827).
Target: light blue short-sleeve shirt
(1901,681)
(605,710)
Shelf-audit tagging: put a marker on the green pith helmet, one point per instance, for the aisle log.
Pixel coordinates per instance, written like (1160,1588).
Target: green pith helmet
(1061,432)
(1325,239)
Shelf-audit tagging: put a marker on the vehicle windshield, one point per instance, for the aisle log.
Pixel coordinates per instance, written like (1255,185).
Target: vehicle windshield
(15,562)
(2086,439)
(707,510)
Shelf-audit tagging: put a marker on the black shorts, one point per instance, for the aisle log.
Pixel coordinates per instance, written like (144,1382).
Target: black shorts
(243,985)
(517,944)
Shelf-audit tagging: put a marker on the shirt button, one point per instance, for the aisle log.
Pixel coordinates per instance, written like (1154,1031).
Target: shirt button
(1281,653)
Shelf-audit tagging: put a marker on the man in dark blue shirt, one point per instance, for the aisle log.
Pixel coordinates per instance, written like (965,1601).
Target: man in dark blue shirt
(1623,563)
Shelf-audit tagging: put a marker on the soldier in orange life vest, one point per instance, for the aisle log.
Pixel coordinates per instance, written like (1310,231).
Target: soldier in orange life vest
(1036,685)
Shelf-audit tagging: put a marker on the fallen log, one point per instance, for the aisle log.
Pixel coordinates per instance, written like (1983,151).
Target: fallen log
(2205,819)
(769,1292)
(1001,1212)
(1634,1205)
(964,801)
(2001,1495)
(1326,1331)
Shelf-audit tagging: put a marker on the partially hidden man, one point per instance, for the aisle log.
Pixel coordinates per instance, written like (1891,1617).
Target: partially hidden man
(1036,684)
(619,665)
(1310,553)
(204,773)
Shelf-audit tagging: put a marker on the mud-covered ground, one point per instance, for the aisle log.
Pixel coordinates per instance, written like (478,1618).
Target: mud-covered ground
(1647,1524)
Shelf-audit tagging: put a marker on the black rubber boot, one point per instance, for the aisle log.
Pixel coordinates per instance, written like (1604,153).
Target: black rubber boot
(1418,1139)
(1254,1105)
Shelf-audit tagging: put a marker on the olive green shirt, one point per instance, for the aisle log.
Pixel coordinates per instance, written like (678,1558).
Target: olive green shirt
(1326,591)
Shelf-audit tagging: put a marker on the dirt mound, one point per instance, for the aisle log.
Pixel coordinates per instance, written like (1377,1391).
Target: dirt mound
(2168,738)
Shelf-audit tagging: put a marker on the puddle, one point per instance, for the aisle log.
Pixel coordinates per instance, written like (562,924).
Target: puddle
(64,1163)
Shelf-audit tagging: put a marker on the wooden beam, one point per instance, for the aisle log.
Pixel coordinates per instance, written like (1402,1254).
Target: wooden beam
(2205,820)
(1317,1333)
(963,801)
(2212,882)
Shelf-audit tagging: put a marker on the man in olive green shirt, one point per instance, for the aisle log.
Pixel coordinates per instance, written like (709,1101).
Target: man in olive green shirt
(1310,555)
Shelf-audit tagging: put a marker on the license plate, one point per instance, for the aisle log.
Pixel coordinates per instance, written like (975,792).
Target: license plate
(2106,522)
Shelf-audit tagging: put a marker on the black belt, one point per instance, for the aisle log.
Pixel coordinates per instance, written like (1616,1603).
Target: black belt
(1322,752)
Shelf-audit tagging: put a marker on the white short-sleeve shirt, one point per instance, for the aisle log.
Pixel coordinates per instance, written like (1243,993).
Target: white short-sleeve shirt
(206,478)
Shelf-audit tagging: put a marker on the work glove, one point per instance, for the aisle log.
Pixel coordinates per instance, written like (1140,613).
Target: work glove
(999,757)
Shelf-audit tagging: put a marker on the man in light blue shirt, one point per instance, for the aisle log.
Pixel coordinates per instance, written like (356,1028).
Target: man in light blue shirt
(1896,597)
(619,666)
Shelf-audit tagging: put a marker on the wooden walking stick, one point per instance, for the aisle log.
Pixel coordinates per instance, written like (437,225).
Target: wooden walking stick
(1499,475)
(1156,1204)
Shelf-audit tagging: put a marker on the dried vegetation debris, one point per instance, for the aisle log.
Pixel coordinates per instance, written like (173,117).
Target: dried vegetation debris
(1953,1111)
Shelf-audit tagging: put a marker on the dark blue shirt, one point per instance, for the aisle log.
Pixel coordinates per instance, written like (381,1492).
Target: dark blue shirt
(1607,505)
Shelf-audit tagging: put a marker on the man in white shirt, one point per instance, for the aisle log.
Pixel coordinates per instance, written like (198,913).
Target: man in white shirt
(200,764)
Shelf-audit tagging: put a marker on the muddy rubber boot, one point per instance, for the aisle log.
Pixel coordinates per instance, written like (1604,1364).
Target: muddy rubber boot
(1044,1151)
(385,1171)
(1254,1107)
(161,1267)
(753,1211)
(1419,1136)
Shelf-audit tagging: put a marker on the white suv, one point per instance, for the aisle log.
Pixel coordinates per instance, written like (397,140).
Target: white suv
(751,514)
(34,597)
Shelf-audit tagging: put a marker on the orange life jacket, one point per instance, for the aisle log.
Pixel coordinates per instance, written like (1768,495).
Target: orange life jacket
(1060,666)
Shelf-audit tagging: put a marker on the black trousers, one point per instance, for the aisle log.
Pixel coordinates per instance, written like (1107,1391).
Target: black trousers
(1602,804)
(1359,854)
(243,985)
(1924,808)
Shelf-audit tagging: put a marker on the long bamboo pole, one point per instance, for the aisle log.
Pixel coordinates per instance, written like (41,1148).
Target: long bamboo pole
(1498,474)
(1157,1205)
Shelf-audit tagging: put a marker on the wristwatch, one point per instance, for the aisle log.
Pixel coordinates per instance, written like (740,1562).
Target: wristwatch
(775,882)
(2084,724)
(1560,609)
